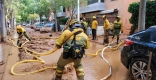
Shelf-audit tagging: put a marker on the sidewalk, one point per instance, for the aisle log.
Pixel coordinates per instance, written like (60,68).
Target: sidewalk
(5,53)
(5,49)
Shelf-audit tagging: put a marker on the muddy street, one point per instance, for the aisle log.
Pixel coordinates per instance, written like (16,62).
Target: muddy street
(95,68)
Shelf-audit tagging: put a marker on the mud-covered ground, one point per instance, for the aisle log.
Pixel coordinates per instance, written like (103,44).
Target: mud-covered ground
(95,68)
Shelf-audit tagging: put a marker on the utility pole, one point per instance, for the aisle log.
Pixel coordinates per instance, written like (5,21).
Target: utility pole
(78,10)
(142,14)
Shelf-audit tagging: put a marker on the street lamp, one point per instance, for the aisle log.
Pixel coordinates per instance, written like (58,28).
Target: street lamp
(78,10)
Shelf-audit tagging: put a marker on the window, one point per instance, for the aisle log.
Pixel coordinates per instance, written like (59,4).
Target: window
(143,36)
(92,1)
(102,0)
(64,10)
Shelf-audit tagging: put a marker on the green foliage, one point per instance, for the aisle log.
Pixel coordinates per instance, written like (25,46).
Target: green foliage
(150,14)
(62,20)
(33,16)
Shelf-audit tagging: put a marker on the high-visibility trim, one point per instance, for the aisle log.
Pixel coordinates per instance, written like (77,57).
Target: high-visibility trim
(57,74)
(59,71)
(80,74)
(79,70)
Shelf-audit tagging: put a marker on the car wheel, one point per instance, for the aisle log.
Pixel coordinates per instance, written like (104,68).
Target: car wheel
(138,69)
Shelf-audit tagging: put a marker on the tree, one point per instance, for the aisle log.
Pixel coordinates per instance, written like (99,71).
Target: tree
(33,17)
(54,7)
(150,15)
(72,5)
(42,8)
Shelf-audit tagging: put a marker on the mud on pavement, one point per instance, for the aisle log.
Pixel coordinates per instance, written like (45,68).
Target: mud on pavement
(41,45)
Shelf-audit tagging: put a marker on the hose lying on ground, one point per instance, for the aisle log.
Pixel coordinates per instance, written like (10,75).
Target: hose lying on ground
(39,60)
(36,53)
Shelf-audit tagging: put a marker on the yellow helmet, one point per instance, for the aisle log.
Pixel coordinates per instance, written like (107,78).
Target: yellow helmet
(103,16)
(94,17)
(72,22)
(84,18)
(118,17)
(18,27)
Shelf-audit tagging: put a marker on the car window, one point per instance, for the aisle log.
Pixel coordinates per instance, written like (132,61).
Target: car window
(37,23)
(145,37)
(49,24)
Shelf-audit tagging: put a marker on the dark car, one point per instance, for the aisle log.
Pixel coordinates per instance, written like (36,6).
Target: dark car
(135,54)
(58,27)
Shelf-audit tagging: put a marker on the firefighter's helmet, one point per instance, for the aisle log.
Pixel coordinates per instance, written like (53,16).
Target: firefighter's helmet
(94,17)
(118,17)
(103,16)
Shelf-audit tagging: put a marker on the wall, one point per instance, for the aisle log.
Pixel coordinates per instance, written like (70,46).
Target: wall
(122,5)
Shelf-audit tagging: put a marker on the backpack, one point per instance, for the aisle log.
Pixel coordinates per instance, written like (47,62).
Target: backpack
(76,51)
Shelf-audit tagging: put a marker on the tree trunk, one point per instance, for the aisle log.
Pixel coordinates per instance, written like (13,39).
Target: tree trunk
(2,22)
(56,26)
(12,16)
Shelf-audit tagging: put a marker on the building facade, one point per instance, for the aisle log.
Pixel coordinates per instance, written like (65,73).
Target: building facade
(110,8)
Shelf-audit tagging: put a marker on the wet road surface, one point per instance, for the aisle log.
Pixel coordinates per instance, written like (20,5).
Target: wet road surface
(95,68)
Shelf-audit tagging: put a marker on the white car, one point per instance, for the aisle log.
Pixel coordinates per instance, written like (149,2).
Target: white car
(47,27)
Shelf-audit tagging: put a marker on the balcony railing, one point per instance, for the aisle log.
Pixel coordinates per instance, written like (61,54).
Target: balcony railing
(99,6)
(61,14)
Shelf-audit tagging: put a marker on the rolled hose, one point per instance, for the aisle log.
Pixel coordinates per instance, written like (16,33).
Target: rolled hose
(40,54)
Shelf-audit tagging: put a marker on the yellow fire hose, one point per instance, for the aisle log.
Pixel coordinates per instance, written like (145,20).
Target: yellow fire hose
(39,60)
(113,48)
(40,54)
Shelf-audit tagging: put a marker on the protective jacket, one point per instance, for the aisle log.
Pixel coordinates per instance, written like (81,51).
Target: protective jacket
(81,39)
(117,25)
(106,25)
(20,29)
(94,24)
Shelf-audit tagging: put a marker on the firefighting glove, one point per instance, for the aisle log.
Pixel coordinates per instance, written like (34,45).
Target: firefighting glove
(58,46)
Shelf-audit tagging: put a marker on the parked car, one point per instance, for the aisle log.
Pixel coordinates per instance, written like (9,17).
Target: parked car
(135,54)
(34,25)
(58,27)
(24,24)
(47,27)
(38,27)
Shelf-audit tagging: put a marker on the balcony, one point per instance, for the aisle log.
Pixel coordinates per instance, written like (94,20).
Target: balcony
(99,6)
(61,14)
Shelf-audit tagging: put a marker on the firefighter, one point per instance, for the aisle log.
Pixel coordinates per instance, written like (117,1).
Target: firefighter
(117,27)
(94,27)
(84,24)
(21,31)
(65,58)
(106,29)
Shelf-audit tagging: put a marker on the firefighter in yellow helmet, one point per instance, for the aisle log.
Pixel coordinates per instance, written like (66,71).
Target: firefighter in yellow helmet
(83,23)
(106,28)
(117,27)
(21,31)
(94,27)
(73,50)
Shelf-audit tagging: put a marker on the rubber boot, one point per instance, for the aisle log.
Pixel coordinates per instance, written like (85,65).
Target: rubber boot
(18,42)
(117,40)
(57,78)
(80,78)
